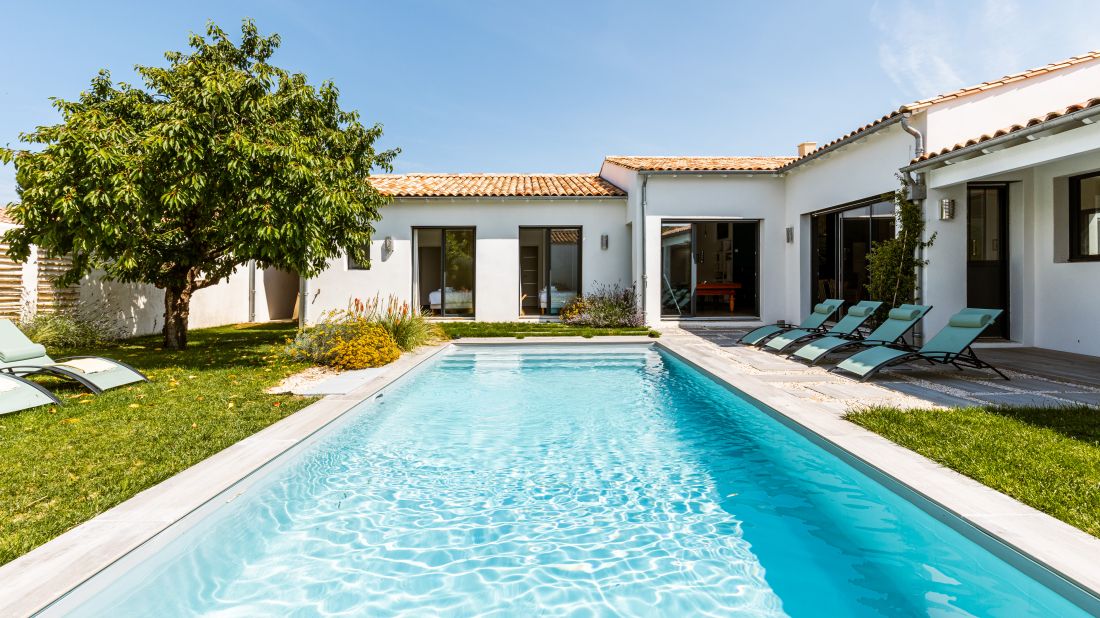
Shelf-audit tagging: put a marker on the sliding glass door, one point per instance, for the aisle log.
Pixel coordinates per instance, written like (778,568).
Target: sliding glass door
(709,269)
(549,268)
(444,270)
(840,242)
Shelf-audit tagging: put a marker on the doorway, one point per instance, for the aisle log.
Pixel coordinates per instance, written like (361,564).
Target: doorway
(840,243)
(710,269)
(444,271)
(987,253)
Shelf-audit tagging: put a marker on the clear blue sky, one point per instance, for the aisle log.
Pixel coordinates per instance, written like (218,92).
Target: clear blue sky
(518,86)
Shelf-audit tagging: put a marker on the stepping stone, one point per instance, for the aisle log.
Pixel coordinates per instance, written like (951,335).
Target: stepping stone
(852,390)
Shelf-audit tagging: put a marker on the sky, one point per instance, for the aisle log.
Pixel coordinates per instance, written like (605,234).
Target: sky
(525,86)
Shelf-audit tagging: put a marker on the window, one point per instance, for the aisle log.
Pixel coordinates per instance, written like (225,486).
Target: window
(444,268)
(353,265)
(841,240)
(1084,213)
(549,268)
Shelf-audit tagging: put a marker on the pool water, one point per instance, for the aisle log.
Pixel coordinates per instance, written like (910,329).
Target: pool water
(508,481)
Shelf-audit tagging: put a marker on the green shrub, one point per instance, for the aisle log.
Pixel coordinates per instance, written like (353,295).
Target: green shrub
(67,329)
(609,306)
(405,323)
(345,340)
(370,346)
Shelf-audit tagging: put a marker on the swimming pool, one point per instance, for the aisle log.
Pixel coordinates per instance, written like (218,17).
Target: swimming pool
(563,480)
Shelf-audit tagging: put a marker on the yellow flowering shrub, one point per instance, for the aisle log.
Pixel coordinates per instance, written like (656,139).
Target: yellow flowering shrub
(368,345)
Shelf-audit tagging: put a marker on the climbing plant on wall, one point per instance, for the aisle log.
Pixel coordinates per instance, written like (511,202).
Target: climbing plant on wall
(893,263)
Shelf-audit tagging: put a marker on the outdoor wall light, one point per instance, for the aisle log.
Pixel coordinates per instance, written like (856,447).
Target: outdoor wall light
(947,209)
(790,235)
(388,244)
(603,242)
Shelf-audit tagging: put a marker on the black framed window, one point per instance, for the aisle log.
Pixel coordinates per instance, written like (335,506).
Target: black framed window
(549,268)
(354,265)
(444,274)
(1084,217)
(840,242)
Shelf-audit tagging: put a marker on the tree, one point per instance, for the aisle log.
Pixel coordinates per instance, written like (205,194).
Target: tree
(221,158)
(893,263)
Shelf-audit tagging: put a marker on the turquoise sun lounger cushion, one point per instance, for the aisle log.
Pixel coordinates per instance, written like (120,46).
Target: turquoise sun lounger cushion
(867,360)
(898,322)
(905,313)
(26,351)
(970,320)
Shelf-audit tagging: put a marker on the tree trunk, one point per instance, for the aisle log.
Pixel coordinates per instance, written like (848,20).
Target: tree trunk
(177,308)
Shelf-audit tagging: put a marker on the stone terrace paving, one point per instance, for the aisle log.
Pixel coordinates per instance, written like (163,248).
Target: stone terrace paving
(1039,377)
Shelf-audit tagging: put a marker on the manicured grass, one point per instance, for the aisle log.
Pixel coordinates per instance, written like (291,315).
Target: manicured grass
(456,330)
(60,466)
(1048,458)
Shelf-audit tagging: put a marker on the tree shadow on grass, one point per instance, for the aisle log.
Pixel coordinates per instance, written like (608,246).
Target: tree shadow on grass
(225,347)
(1079,422)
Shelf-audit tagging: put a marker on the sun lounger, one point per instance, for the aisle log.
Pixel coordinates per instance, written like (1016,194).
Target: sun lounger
(18,394)
(847,328)
(899,321)
(813,322)
(950,346)
(20,356)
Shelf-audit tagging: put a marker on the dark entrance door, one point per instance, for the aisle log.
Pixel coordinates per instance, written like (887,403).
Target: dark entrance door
(987,252)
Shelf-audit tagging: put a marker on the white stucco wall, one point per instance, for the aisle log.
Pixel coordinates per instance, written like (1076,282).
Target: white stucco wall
(862,169)
(1052,300)
(497,223)
(758,197)
(970,116)
(139,308)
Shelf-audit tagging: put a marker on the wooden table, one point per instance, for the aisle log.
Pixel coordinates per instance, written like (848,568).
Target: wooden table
(728,288)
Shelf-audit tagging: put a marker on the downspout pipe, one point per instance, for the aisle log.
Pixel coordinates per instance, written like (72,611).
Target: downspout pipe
(644,255)
(917,189)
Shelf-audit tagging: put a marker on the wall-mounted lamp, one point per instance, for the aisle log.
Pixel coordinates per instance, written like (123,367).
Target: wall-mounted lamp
(388,244)
(790,235)
(604,242)
(947,209)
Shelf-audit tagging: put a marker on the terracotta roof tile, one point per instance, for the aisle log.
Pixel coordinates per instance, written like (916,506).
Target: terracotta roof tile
(1007,79)
(5,217)
(700,164)
(1031,122)
(962,92)
(494,185)
(846,136)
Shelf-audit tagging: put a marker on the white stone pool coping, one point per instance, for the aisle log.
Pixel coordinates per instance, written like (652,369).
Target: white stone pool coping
(31,582)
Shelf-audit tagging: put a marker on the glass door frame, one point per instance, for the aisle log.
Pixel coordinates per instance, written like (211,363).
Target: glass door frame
(691,314)
(546,270)
(1004,324)
(837,258)
(416,229)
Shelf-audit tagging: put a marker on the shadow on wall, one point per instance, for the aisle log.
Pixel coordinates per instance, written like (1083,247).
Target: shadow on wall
(137,308)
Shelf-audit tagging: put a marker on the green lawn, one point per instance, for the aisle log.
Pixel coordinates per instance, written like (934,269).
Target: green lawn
(61,466)
(457,330)
(1048,458)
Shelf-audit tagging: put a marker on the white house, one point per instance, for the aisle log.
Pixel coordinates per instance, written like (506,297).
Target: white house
(763,238)
(1008,172)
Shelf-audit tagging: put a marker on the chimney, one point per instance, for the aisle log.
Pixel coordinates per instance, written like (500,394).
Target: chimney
(806,148)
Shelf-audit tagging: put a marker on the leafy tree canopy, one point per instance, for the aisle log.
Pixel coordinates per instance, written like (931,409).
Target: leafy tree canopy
(219,159)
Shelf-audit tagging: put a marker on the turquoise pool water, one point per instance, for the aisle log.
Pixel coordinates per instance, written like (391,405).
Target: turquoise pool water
(558,481)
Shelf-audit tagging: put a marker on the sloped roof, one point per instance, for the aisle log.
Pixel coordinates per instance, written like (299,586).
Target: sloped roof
(1026,124)
(494,185)
(1003,81)
(923,104)
(5,217)
(699,164)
